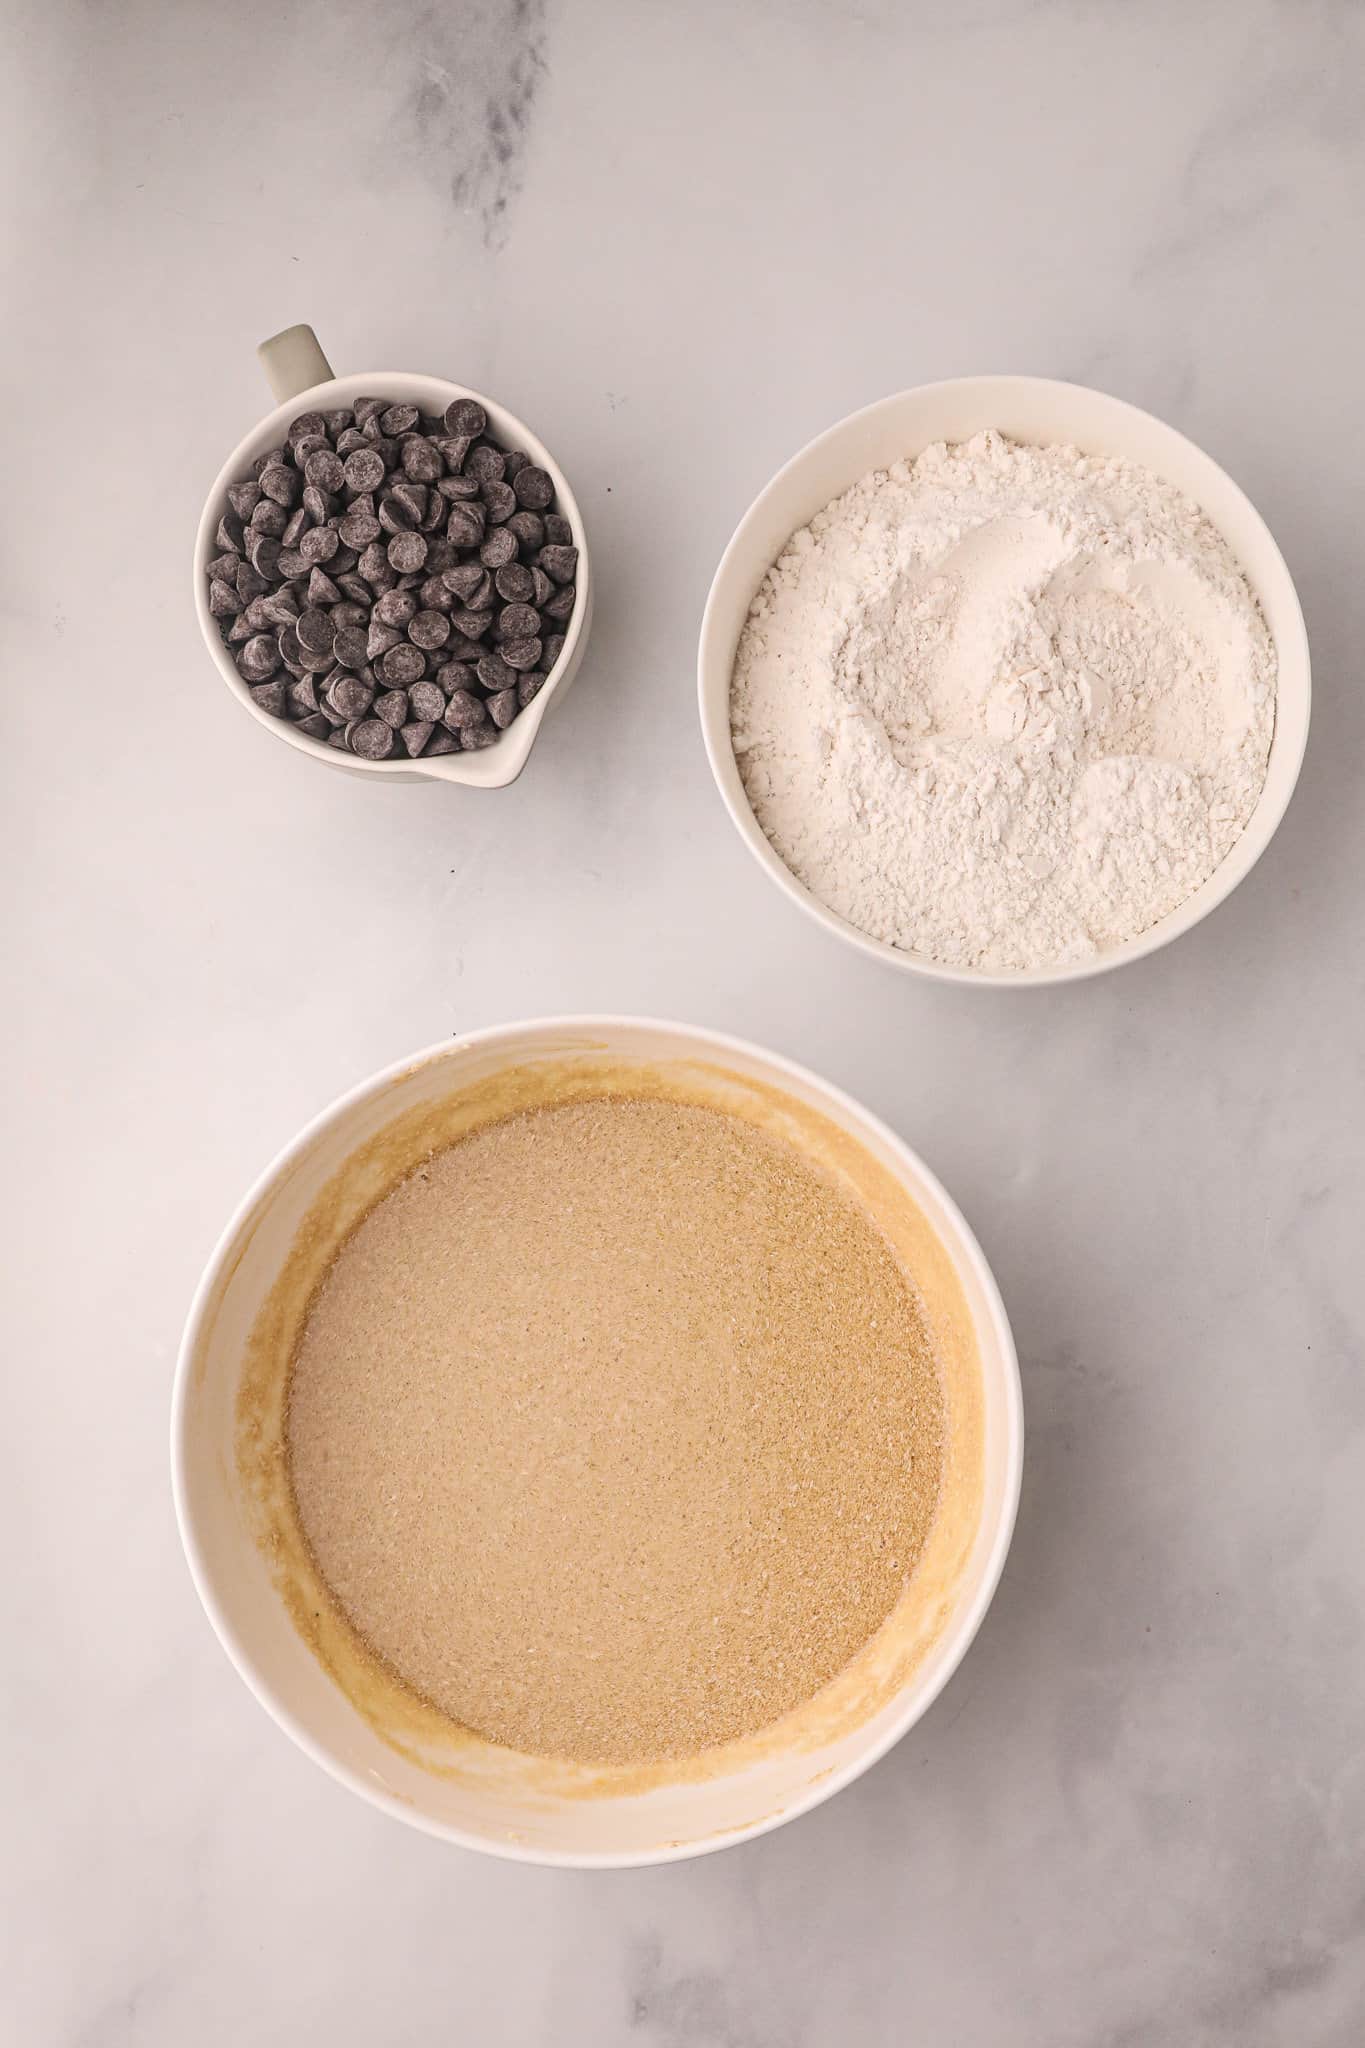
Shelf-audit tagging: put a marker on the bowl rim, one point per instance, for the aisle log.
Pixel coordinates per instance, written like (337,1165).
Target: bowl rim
(1289,739)
(492,767)
(959,1635)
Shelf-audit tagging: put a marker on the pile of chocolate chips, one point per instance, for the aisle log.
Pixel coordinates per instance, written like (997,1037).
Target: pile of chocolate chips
(391,583)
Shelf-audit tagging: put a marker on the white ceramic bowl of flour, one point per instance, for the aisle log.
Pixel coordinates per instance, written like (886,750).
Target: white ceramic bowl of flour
(477,1794)
(1036,412)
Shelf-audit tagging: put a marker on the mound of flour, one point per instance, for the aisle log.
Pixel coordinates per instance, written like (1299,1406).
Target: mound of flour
(1005,706)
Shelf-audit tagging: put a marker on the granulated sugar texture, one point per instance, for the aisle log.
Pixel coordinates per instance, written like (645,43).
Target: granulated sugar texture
(616,1430)
(1004,706)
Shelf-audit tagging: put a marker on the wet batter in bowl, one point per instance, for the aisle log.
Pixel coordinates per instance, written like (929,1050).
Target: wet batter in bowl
(615,1430)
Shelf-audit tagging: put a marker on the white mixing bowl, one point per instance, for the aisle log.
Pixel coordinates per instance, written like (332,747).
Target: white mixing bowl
(1030,409)
(488,1798)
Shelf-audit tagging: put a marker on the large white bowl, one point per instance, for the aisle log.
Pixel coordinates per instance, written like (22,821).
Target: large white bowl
(484,1808)
(1030,409)
(303,381)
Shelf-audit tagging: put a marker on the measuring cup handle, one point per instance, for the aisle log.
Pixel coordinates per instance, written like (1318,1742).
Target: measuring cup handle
(293,362)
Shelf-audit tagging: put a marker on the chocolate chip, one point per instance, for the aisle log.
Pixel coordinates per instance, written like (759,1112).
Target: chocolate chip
(529,528)
(396,608)
(315,725)
(494,673)
(280,608)
(456,488)
(558,530)
(462,579)
(265,554)
(274,458)
(513,460)
(429,630)
(559,563)
(414,737)
(303,696)
(500,548)
(259,658)
(407,552)
(421,459)
(466,525)
(518,622)
(306,423)
(465,416)
(428,700)
(282,485)
(305,446)
(442,554)
(454,450)
(240,629)
(456,675)
(553,648)
(223,569)
(244,498)
(292,564)
(314,629)
(224,602)
(530,686)
(372,740)
(229,534)
(295,527)
(403,664)
(432,596)
(349,440)
(269,518)
(269,697)
(485,462)
(392,707)
(499,500)
(514,582)
(398,419)
(463,710)
(442,742)
(356,589)
(380,639)
(474,737)
(542,590)
(472,624)
(481,596)
(373,564)
(534,487)
(338,419)
(319,505)
(322,590)
(503,707)
(351,647)
(363,469)
(521,653)
(560,606)
(349,696)
(366,409)
(325,470)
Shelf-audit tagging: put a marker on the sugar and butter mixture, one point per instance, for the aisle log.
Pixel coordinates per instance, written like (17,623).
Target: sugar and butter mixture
(615,1429)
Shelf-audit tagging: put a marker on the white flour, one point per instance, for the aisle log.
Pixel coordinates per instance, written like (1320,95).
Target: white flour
(1004,706)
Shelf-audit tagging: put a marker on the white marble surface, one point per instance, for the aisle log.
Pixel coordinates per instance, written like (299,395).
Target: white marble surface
(680,238)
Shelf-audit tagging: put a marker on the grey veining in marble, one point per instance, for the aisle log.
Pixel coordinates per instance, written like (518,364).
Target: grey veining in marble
(680,238)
